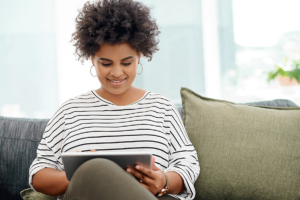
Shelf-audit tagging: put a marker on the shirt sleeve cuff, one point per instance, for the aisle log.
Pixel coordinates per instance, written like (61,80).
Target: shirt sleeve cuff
(190,189)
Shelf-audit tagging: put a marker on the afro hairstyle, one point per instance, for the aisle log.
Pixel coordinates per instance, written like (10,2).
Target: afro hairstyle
(115,22)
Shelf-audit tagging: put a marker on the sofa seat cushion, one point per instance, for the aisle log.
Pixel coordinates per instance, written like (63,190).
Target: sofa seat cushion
(245,152)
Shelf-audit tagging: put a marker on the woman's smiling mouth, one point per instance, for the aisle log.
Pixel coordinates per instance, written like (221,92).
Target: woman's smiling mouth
(116,82)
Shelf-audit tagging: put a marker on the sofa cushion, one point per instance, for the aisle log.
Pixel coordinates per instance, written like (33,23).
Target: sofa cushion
(245,152)
(19,139)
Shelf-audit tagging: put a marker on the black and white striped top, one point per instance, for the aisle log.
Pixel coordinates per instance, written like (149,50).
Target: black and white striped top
(88,121)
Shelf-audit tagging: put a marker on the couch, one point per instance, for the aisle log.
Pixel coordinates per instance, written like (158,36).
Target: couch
(19,138)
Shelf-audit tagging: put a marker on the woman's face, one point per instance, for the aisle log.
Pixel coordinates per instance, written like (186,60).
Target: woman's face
(116,67)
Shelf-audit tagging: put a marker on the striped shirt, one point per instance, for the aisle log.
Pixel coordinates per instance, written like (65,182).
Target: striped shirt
(88,121)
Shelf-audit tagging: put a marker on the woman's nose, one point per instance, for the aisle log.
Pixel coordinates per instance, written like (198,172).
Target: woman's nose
(116,71)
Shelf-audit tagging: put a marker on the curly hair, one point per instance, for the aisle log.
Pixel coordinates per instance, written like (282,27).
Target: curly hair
(114,22)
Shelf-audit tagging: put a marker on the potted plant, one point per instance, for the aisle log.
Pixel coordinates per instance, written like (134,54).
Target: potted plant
(289,74)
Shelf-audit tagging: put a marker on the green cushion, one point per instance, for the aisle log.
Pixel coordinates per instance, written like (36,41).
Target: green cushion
(245,152)
(30,194)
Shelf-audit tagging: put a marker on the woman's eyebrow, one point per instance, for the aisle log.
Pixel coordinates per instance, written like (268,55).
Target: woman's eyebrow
(111,60)
(105,59)
(127,58)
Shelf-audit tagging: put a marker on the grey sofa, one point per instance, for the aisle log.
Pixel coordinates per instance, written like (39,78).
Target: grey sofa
(19,139)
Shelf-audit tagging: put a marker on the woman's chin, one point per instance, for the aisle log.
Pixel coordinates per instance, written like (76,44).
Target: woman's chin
(116,91)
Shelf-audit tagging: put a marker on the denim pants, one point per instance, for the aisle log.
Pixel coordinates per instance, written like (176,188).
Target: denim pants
(110,183)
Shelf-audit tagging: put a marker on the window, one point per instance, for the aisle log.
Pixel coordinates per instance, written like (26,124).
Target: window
(28,72)
(218,48)
(254,36)
(179,62)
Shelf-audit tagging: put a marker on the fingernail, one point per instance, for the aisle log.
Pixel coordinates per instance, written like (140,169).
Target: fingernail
(137,167)
(128,170)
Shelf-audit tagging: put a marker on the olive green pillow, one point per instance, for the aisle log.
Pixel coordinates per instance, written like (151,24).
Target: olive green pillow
(245,152)
(30,194)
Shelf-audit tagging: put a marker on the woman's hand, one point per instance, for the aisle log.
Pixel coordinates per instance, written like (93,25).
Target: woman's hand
(92,150)
(152,179)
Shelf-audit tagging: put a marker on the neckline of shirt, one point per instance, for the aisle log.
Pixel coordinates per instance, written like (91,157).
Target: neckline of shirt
(112,104)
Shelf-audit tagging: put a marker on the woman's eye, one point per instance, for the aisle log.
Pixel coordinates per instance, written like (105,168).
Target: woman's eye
(126,64)
(106,64)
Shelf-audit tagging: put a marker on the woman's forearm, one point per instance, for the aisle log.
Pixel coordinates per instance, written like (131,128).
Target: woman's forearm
(176,184)
(50,181)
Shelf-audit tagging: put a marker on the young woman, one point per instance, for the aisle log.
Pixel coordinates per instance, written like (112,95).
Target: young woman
(116,117)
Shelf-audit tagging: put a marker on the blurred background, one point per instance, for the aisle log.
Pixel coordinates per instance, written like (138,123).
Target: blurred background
(218,48)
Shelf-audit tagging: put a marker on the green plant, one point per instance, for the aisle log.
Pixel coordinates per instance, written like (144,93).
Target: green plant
(290,69)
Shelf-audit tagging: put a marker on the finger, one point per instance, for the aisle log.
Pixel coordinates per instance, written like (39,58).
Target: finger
(93,150)
(153,166)
(153,160)
(78,151)
(140,176)
(148,172)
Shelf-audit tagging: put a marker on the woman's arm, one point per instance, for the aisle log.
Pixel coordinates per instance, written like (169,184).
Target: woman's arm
(183,156)
(46,173)
(50,181)
(176,184)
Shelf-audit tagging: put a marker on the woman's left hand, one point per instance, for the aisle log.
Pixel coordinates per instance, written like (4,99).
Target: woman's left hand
(152,179)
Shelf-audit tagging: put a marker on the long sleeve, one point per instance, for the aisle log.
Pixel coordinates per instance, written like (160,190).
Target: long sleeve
(183,156)
(49,149)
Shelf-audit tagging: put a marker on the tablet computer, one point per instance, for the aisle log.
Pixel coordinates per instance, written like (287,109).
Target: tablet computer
(72,160)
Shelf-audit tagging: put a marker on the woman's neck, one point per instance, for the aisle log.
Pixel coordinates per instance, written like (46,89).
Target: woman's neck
(128,97)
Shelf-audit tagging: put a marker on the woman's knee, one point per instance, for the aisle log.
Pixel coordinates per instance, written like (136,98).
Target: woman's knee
(96,162)
(98,166)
